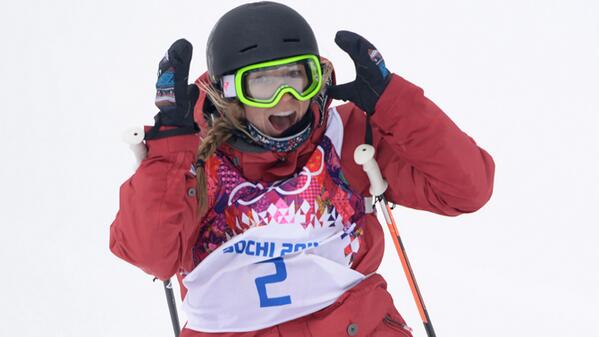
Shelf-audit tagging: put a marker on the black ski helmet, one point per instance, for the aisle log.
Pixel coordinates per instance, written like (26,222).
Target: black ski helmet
(257,32)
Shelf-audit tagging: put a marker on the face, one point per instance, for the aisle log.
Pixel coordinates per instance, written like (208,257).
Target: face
(261,84)
(274,121)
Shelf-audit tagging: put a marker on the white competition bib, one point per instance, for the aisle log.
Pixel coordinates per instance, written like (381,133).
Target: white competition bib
(266,276)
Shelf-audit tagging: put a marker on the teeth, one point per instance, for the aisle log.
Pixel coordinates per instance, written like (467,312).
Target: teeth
(283,114)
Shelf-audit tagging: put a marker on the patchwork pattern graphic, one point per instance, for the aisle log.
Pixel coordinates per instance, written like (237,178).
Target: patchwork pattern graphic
(317,197)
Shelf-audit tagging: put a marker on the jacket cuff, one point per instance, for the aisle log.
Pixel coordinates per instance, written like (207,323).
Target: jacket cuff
(396,90)
(182,143)
(403,103)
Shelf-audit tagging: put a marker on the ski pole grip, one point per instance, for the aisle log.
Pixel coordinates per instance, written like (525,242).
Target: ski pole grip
(135,137)
(364,155)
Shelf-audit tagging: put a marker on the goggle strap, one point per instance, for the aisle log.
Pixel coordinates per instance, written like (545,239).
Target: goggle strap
(228,85)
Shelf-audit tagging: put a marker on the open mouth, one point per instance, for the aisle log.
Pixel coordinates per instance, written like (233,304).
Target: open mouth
(282,121)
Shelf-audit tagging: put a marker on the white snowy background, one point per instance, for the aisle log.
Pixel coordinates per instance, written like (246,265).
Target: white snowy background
(520,77)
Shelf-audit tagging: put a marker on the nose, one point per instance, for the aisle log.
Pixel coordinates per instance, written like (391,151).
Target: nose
(286,98)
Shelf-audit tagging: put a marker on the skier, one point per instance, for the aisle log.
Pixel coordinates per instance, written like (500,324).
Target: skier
(249,192)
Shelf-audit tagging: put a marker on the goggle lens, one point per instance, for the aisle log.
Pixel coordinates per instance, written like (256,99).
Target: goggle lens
(262,85)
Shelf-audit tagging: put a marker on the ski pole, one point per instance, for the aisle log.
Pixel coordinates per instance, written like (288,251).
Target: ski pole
(134,137)
(172,307)
(364,156)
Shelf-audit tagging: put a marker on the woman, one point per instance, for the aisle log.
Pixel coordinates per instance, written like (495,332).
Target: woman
(262,213)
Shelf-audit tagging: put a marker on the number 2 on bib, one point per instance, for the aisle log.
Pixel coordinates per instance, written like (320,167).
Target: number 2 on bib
(280,275)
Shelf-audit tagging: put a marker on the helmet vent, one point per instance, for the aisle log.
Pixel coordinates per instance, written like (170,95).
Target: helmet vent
(291,40)
(248,48)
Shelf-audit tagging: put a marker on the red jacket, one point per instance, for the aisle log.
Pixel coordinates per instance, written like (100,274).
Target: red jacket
(429,163)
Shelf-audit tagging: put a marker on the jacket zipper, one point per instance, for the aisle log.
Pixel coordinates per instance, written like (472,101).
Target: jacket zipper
(397,324)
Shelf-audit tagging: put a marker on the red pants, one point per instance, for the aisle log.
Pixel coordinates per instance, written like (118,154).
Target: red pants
(366,310)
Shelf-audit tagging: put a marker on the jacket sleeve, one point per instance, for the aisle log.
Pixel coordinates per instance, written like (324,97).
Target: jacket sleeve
(156,221)
(429,163)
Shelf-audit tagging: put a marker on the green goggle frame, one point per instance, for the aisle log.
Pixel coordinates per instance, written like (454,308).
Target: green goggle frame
(314,73)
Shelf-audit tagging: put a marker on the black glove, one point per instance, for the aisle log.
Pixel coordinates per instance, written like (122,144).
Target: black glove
(174,97)
(372,76)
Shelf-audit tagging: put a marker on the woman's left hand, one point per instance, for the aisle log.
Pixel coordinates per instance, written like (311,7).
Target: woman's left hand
(372,76)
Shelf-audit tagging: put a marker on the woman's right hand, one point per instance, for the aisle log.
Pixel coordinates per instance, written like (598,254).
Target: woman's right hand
(172,92)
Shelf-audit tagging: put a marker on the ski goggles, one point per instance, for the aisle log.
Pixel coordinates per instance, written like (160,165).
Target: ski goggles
(262,85)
